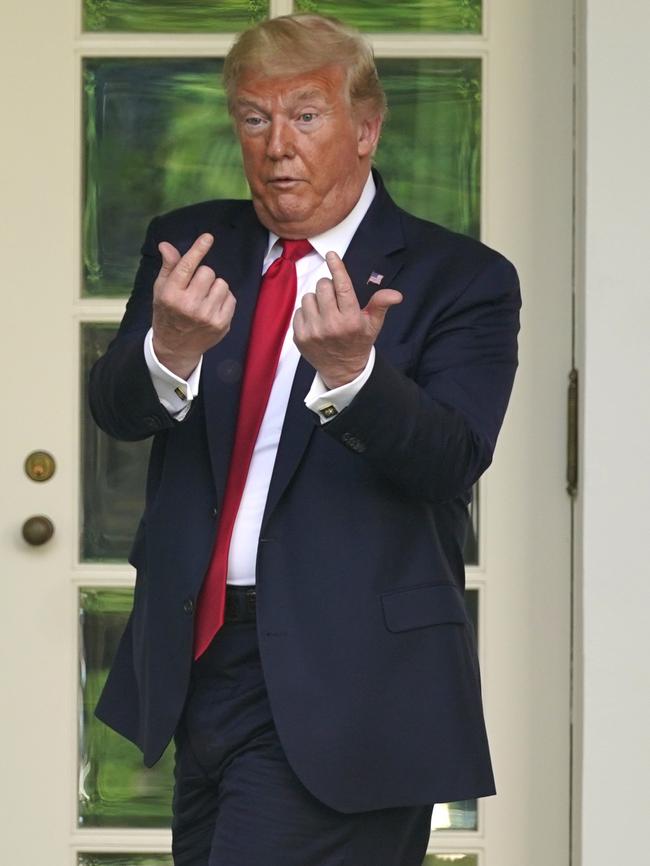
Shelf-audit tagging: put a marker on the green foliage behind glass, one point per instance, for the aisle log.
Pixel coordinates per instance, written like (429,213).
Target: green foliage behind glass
(172,16)
(113,473)
(430,151)
(443,16)
(115,788)
(158,136)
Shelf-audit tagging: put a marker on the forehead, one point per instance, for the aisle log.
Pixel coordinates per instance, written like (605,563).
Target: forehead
(327,83)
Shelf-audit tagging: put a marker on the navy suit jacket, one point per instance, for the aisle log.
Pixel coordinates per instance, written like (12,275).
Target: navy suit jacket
(369,658)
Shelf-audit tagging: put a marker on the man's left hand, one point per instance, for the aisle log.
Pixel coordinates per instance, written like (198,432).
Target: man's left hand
(332,331)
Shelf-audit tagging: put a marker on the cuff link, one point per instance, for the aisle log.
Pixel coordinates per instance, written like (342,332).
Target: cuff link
(180,393)
(329,411)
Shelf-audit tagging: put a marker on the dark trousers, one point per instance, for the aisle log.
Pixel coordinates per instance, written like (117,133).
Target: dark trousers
(237,801)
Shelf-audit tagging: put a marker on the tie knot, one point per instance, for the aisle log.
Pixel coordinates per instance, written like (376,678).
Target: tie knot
(294,250)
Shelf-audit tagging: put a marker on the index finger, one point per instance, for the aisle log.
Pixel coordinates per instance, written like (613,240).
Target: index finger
(187,264)
(346,297)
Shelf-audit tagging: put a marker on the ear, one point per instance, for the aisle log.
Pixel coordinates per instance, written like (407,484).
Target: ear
(369,129)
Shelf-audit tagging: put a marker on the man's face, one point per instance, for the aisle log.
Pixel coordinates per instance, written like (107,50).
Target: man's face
(306,154)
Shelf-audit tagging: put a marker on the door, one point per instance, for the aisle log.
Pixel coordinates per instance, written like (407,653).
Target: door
(113,112)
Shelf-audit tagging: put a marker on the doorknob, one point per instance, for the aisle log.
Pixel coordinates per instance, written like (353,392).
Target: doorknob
(38,530)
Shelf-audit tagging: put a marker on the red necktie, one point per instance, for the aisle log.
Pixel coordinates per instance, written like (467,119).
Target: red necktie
(273,313)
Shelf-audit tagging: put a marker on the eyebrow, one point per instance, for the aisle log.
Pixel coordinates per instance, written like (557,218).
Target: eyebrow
(242,102)
(300,96)
(306,95)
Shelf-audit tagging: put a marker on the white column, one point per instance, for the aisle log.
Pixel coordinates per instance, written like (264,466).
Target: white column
(614,544)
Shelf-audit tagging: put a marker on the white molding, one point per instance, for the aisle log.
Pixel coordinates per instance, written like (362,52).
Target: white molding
(218,44)
(280,7)
(100,310)
(121,840)
(109,576)
(155,45)
(426,45)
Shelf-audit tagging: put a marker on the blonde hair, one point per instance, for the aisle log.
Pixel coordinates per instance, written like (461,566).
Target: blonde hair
(294,44)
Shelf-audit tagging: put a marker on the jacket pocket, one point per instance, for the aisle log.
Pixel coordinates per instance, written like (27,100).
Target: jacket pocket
(421,606)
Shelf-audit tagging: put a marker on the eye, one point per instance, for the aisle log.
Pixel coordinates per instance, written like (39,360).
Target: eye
(252,120)
(307,116)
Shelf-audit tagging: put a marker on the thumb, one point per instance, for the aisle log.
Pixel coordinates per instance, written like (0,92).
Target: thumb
(380,303)
(170,258)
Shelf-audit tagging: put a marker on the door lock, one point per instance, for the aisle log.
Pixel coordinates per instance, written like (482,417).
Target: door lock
(40,466)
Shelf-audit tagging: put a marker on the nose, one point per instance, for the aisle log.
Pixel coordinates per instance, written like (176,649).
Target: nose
(280,144)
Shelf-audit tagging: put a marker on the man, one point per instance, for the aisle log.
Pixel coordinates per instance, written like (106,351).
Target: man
(325,377)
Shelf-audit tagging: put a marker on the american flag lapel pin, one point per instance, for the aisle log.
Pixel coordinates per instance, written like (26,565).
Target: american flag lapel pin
(375,278)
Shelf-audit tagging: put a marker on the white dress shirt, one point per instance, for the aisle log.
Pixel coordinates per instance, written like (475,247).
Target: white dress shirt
(176,394)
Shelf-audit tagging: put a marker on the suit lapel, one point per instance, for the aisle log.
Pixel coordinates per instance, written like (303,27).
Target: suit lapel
(377,246)
(237,256)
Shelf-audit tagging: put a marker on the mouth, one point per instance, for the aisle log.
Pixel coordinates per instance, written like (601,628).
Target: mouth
(284,182)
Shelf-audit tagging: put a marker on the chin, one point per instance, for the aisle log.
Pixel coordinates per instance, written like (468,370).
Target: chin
(288,216)
(290,207)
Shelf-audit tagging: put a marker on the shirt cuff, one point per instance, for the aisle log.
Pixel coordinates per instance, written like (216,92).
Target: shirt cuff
(327,404)
(174,393)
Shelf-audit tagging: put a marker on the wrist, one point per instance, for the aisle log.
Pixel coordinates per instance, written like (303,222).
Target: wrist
(178,363)
(333,380)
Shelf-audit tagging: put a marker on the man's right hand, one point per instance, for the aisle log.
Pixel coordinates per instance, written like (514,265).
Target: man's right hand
(192,307)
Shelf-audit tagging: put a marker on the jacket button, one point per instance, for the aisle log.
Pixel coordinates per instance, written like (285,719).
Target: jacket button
(188,605)
(353,443)
(214,511)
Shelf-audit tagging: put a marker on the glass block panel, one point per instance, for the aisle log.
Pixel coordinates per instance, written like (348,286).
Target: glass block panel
(125,860)
(115,788)
(455,816)
(450,860)
(462,815)
(171,16)
(430,151)
(157,136)
(113,473)
(441,16)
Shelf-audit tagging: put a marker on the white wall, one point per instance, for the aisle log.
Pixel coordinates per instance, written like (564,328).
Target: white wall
(615,503)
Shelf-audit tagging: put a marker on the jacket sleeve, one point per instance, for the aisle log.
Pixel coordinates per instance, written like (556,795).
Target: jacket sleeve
(123,400)
(432,430)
